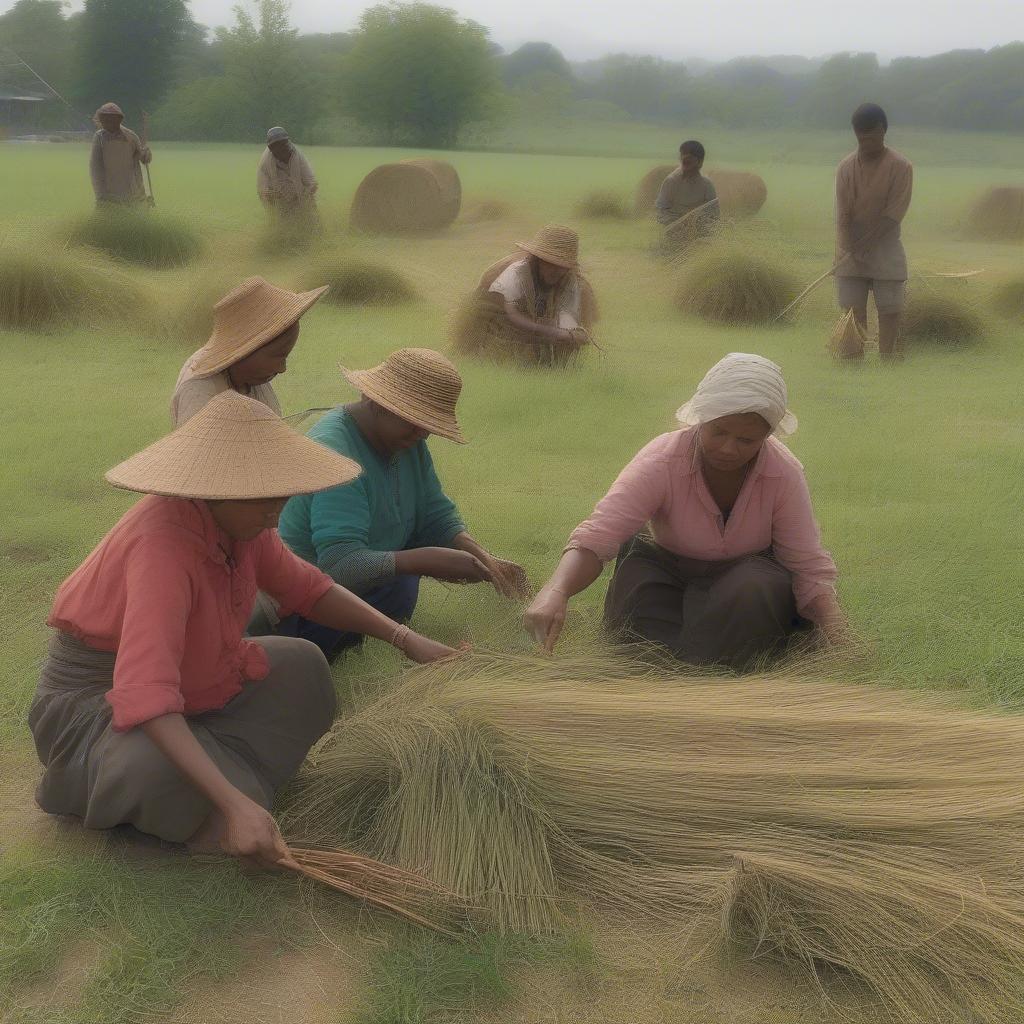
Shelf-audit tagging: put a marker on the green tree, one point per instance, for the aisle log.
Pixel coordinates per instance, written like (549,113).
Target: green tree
(129,51)
(640,85)
(37,32)
(418,72)
(840,85)
(533,59)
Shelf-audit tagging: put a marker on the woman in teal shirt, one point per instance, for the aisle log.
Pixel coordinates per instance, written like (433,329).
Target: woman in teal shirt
(393,524)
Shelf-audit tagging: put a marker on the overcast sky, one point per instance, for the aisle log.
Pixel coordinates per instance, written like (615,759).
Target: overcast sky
(716,29)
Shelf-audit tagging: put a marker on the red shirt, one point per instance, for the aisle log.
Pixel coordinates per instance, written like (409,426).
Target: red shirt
(160,591)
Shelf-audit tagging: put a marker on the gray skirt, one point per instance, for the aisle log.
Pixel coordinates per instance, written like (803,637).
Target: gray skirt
(258,739)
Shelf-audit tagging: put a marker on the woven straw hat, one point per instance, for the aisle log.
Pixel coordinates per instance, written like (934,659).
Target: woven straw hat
(556,244)
(247,318)
(234,448)
(419,385)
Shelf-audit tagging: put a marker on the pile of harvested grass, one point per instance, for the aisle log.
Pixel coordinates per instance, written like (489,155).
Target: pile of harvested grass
(602,205)
(144,237)
(356,281)
(482,210)
(648,187)
(42,290)
(287,236)
(729,286)
(856,828)
(407,197)
(998,215)
(740,193)
(930,317)
(1008,299)
(848,339)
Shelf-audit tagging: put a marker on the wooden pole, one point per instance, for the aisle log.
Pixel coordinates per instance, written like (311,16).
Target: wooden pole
(151,199)
(810,288)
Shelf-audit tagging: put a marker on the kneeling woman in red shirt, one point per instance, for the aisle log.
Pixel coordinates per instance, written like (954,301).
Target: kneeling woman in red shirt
(152,708)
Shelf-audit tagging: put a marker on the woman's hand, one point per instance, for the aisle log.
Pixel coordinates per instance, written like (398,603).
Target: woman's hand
(423,650)
(508,578)
(251,833)
(545,617)
(453,566)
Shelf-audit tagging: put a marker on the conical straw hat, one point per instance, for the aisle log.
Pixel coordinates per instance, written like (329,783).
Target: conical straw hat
(246,318)
(234,448)
(419,385)
(556,244)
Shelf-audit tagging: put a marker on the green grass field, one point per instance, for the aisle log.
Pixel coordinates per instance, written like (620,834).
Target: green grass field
(915,471)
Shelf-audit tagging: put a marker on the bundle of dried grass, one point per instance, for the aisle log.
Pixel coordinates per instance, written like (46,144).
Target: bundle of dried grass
(357,281)
(998,215)
(1008,299)
(942,319)
(878,832)
(404,893)
(740,193)
(482,210)
(138,236)
(648,187)
(730,286)
(601,205)
(847,339)
(43,289)
(407,197)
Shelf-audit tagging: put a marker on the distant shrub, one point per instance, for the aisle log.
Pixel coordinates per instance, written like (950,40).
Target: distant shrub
(939,318)
(139,236)
(358,282)
(731,287)
(602,205)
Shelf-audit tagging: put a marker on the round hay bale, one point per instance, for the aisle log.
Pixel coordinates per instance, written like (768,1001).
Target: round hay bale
(448,179)
(408,197)
(732,287)
(940,319)
(602,205)
(42,289)
(648,188)
(998,215)
(740,193)
(358,282)
(138,236)
(1008,299)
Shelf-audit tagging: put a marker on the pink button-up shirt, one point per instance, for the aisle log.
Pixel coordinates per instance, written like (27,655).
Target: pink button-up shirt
(663,486)
(160,591)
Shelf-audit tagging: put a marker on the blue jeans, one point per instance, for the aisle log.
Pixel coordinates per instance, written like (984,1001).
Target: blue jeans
(396,600)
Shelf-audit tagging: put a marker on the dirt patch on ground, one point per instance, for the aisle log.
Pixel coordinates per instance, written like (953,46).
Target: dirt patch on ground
(62,988)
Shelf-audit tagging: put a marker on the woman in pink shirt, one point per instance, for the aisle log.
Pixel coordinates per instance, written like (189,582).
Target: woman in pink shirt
(732,560)
(152,708)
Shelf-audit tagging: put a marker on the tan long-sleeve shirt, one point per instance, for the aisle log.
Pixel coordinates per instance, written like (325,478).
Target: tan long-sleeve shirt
(115,165)
(866,192)
(285,184)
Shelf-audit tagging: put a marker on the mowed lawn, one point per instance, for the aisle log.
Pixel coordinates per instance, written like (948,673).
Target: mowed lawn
(915,471)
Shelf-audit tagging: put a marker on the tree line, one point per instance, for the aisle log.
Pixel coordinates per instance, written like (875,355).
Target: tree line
(417,74)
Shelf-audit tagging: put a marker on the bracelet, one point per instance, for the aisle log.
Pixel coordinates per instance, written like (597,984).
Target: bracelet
(399,636)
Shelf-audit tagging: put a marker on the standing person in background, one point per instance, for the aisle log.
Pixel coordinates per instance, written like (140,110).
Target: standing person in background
(284,180)
(873,191)
(115,163)
(686,190)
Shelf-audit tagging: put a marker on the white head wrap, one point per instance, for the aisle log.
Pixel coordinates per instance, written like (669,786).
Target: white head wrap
(740,383)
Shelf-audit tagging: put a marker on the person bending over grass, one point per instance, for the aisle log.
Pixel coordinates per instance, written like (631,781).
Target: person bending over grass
(151,709)
(379,535)
(255,328)
(285,182)
(873,191)
(685,191)
(731,563)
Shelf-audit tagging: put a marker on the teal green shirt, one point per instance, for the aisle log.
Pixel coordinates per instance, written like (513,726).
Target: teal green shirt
(352,532)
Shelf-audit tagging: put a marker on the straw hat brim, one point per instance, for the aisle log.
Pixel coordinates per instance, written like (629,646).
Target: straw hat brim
(439,423)
(234,469)
(547,256)
(213,359)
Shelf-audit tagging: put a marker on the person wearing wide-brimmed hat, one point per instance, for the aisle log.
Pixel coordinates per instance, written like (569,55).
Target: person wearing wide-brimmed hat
(152,709)
(285,181)
(255,327)
(380,534)
(534,306)
(732,562)
(116,159)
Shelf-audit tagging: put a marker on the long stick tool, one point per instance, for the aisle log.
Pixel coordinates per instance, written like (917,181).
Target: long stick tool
(810,288)
(150,198)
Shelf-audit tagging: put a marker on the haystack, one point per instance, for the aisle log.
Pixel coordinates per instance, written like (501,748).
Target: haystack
(931,317)
(740,193)
(729,286)
(602,205)
(848,338)
(407,197)
(648,188)
(356,281)
(998,215)
(1008,299)
(143,237)
(857,828)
